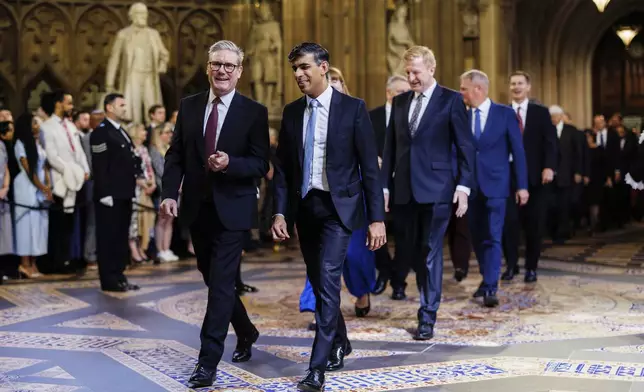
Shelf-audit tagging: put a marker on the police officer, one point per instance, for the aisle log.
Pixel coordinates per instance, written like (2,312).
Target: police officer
(116,168)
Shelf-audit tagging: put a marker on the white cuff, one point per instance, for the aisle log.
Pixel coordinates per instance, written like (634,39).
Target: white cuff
(385,191)
(107,201)
(635,185)
(463,189)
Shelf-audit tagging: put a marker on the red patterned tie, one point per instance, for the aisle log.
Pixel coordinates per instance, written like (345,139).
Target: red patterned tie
(521,126)
(210,137)
(69,136)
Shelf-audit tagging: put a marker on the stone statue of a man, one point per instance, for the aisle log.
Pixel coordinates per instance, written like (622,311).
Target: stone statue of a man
(139,56)
(399,39)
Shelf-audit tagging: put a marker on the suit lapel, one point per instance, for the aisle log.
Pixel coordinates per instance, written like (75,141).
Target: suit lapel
(298,128)
(404,114)
(233,117)
(199,142)
(335,113)
(489,126)
(431,107)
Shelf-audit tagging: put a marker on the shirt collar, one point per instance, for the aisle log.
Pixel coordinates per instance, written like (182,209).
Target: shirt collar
(427,93)
(224,99)
(388,106)
(560,126)
(485,106)
(522,105)
(324,99)
(56,118)
(114,123)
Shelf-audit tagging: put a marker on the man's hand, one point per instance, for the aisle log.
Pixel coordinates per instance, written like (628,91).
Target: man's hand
(386,201)
(618,176)
(86,176)
(380,162)
(461,198)
(279,229)
(547,175)
(168,208)
(107,201)
(376,236)
(218,161)
(522,197)
(578,178)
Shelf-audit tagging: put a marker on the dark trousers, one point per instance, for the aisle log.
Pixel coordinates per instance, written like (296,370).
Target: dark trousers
(530,218)
(61,225)
(420,230)
(460,243)
(623,210)
(112,236)
(486,217)
(384,262)
(218,254)
(558,211)
(324,242)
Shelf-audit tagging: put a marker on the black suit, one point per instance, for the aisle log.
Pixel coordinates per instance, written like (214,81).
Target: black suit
(218,207)
(626,154)
(325,219)
(578,206)
(115,169)
(540,145)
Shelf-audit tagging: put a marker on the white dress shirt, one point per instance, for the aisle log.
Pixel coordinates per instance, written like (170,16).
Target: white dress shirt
(560,126)
(319,180)
(118,126)
(222,110)
(387,113)
(602,134)
(523,113)
(485,112)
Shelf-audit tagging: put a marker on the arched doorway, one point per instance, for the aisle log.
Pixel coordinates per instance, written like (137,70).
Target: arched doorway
(618,74)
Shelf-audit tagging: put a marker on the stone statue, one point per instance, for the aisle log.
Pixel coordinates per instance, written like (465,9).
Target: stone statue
(470,23)
(264,52)
(139,56)
(399,39)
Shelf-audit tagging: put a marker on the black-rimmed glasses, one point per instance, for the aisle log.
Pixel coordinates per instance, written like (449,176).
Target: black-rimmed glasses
(216,66)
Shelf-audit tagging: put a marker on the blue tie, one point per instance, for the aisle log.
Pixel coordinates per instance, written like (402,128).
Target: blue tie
(307,175)
(477,123)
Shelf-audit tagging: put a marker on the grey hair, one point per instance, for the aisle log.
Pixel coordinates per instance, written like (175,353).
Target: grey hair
(396,78)
(227,45)
(478,77)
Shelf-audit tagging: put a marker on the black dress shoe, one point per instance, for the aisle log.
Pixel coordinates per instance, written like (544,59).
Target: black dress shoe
(362,312)
(510,272)
(243,351)
(336,358)
(202,377)
(312,326)
(131,286)
(460,274)
(480,292)
(381,285)
(424,332)
(119,288)
(398,295)
(490,300)
(244,288)
(530,276)
(313,382)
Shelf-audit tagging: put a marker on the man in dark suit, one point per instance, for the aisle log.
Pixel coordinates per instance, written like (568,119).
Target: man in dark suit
(219,148)
(326,171)
(417,167)
(496,133)
(626,154)
(540,145)
(113,152)
(396,85)
(568,174)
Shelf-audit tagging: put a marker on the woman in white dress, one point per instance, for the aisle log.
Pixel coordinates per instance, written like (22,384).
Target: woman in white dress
(31,187)
(6,225)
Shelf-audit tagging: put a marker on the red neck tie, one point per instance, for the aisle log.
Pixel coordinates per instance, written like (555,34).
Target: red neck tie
(520,119)
(69,136)
(210,137)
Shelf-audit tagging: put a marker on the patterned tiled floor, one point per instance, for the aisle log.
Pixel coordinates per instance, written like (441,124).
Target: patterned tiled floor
(580,328)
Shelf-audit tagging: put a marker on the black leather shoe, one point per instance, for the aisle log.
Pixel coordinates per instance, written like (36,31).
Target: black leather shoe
(530,276)
(480,292)
(490,300)
(202,377)
(243,351)
(398,295)
(362,312)
(424,332)
(312,326)
(119,288)
(336,358)
(460,274)
(313,382)
(381,285)
(510,272)
(244,288)
(131,286)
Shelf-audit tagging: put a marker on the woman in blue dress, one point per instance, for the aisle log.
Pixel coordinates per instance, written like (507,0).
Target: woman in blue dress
(360,264)
(6,224)
(31,187)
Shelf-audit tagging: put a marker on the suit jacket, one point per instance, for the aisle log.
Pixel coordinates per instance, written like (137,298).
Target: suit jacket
(627,154)
(243,136)
(379,120)
(570,156)
(501,136)
(423,165)
(585,153)
(113,152)
(539,142)
(351,162)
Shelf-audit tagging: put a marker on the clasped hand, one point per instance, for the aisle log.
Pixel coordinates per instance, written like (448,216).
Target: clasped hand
(218,161)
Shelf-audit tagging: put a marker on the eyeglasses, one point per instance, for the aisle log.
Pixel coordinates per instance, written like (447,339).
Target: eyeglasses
(216,66)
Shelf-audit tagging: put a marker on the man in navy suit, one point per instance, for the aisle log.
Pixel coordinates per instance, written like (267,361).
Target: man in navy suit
(496,134)
(327,180)
(425,124)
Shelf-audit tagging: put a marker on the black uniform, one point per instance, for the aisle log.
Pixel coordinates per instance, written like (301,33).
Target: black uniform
(116,167)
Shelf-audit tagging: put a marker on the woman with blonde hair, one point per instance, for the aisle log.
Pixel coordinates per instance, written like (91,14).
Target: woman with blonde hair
(336,80)
(159,144)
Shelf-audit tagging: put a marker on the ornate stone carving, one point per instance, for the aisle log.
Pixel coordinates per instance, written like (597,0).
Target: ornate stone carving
(161,23)
(399,38)
(264,52)
(470,24)
(34,95)
(139,56)
(45,39)
(197,33)
(8,49)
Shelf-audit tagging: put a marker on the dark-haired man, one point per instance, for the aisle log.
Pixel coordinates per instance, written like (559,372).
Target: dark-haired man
(70,170)
(326,171)
(116,168)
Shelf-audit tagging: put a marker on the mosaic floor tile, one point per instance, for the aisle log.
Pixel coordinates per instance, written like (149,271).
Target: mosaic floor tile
(36,387)
(635,349)
(302,354)
(102,321)
(8,364)
(137,293)
(54,372)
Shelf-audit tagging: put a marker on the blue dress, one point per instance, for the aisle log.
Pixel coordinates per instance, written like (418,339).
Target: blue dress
(6,225)
(32,226)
